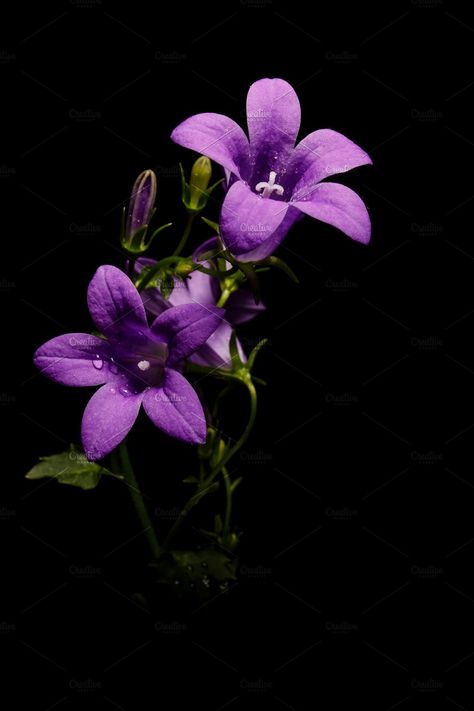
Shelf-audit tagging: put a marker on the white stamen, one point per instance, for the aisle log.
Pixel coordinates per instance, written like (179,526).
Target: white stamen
(144,364)
(268,188)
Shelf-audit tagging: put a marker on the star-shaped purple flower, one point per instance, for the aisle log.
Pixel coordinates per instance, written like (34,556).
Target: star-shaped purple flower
(200,288)
(135,364)
(271,181)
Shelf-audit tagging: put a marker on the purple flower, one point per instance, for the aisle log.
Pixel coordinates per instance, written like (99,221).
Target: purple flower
(271,181)
(200,288)
(135,364)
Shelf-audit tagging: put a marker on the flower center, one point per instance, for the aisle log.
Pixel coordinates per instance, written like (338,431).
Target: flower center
(266,189)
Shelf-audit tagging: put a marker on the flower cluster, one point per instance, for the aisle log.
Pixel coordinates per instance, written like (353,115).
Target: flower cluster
(161,320)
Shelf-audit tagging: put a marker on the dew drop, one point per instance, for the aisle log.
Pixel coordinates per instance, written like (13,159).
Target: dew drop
(223,586)
(113,366)
(204,564)
(113,391)
(206,582)
(190,568)
(98,363)
(125,390)
(144,365)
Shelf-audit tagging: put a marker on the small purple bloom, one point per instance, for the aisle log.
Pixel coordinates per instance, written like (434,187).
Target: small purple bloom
(200,288)
(272,182)
(135,364)
(141,203)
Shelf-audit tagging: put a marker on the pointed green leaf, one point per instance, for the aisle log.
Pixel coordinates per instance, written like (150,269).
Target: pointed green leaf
(71,468)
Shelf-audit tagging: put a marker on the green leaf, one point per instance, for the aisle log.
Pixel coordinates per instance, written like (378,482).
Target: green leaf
(280,264)
(72,468)
(218,525)
(213,225)
(200,573)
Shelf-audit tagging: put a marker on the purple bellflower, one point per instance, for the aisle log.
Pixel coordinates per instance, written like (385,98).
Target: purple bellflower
(134,363)
(200,288)
(272,182)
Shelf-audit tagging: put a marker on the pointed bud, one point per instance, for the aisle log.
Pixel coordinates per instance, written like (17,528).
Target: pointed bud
(201,173)
(141,202)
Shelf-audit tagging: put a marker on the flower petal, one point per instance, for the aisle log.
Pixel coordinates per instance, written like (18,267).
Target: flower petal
(266,248)
(215,353)
(339,206)
(175,408)
(321,154)
(108,418)
(197,288)
(185,328)
(241,307)
(114,303)
(273,119)
(218,137)
(247,219)
(74,359)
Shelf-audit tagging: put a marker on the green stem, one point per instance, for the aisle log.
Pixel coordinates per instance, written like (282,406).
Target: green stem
(228,504)
(186,233)
(207,484)
(138,501)
(223,298)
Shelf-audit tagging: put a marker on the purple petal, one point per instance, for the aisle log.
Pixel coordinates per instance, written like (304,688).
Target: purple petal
(339,206)
(185,328)
(273,118)
(241,307)
(175,408)
(141,202)
(272,243)
(247,219)
(321,154)
(108,418)
(198,288)
(114,303)
(215,353)
(217,137)
(75,359)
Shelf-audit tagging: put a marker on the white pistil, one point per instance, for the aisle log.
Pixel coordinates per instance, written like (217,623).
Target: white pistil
(144,364)
(268,188)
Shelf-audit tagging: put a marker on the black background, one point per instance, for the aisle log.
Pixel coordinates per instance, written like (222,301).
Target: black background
(357,498)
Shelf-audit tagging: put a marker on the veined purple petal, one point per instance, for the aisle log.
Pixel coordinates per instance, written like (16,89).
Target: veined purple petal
(210,244)
(186,328)
(247,219)
(114,303)
(74,359)
(217,137)
(108,418)
(273,118)
(175,408)
(321,154)
(339,206)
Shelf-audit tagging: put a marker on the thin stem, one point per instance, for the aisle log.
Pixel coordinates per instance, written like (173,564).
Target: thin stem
(208,484)
(138,501)
(223,298)
(186,233)
(228,504)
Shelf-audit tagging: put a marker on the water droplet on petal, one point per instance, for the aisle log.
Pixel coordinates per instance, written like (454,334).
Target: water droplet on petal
(98,363)
(125,390)
(113,391)
(113,366)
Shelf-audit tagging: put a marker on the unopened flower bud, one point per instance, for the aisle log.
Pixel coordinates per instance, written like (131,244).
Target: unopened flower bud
(141,203)
(201,173)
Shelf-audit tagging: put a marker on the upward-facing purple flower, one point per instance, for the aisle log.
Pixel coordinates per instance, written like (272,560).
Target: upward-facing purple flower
(135,364)
(272,181)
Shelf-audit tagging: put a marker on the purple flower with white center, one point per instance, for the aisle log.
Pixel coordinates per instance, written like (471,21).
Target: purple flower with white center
(272,182)
(200,288)
(136,364)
